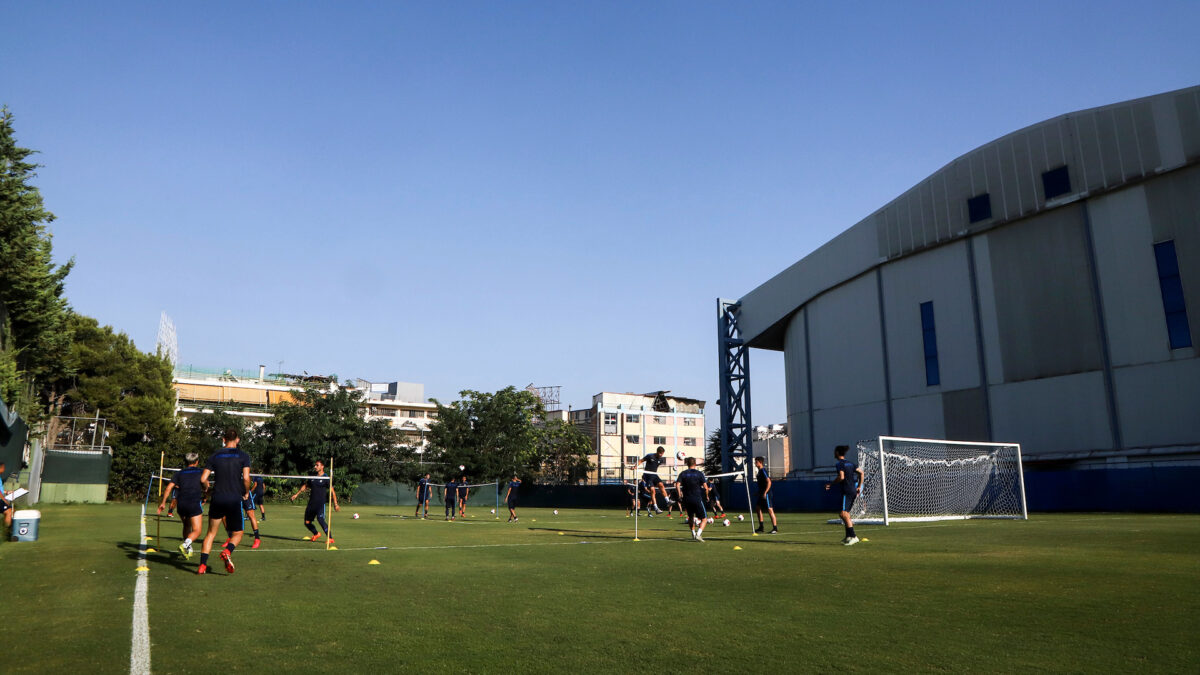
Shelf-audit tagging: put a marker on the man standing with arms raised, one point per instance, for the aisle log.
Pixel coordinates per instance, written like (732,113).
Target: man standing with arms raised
(650,475)
(232,485)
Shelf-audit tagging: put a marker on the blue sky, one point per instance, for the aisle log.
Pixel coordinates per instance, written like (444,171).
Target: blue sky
(472,195)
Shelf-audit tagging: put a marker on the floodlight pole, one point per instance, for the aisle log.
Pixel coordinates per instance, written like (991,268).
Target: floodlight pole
(733,359)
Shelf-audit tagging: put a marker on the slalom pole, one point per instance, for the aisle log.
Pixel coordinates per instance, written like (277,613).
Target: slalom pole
(637,502)
(162,456)
(497,500)
(749,504)
(329,534)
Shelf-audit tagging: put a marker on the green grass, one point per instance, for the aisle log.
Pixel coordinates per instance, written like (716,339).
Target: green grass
(1071,593)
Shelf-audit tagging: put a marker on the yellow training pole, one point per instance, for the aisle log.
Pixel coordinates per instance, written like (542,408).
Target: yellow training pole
(329,511)
(162,456)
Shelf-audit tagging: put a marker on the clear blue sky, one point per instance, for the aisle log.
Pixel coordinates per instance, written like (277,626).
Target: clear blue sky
(472,195)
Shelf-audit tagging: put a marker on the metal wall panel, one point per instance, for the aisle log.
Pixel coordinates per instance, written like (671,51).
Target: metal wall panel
(1158,403)
(844,332)
(1052,415)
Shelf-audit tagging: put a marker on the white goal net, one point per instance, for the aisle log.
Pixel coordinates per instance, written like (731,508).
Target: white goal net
(915,479)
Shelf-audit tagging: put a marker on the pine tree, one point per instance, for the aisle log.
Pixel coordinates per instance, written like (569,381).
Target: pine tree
(31,286)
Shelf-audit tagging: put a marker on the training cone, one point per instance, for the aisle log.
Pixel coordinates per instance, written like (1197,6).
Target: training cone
(150,550)
(374,562)
(534,520)
(737,548)
(143,568)
(333,548)
(864,539)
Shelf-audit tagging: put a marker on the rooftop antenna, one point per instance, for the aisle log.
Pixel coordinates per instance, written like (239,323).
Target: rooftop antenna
(168,342)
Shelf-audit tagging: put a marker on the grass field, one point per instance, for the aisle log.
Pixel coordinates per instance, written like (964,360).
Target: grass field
(1068,593)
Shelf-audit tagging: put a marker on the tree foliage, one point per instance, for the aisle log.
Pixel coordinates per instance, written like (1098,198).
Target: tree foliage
(712,452)
(493,434)
(562,453)
(31,286)
(131,390)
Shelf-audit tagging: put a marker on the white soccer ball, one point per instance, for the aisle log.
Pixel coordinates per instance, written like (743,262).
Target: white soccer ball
(741,517)
(680,455)
(556,512)
(710,520)
(493,510)
(726,523)
(356,516)
(462,467)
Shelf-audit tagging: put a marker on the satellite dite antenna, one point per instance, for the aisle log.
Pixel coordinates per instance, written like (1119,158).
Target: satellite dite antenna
(168,343)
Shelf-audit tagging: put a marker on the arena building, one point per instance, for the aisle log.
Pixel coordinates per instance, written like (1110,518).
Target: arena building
(1041,289)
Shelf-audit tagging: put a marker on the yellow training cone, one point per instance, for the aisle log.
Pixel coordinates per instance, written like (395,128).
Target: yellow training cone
(560,533)
(864,539)
(142,569)
(374,562)
(333,548)
(737,548)
(150,550)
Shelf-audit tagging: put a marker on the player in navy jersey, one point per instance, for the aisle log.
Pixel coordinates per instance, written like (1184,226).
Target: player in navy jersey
(462,496)
(714,499)
(186,490)
(320,491)
(693,490)
(248,505)
(450,498)
(849,480)
(423,496)
(650,475)
(645,496)
(232,468)
(676,500)
(259,491)
(764,495)
(510,498)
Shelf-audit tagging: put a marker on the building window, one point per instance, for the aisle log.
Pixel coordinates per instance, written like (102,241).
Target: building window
(631,459)
(1056,182)
(610,423)
(979,207)
(660,440)
(659,419)
(1169,282)
(633,439)
(689,442)
(633,419)
(689,421)
(929,337)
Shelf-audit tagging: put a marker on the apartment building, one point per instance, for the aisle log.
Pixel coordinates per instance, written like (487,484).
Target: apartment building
(626,427)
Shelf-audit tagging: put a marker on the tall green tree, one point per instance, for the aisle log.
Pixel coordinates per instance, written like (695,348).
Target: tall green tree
(328,425)
(712,452)
(31,285)
(563,452)
(492,434)
(131,390)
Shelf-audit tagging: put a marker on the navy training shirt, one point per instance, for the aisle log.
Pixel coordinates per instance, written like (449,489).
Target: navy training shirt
(451,490)
(761,477)
(692,482)
(318,489)
(850,471)
(227,465)
(187,485)
(653,461)
(256,483)
(422,485)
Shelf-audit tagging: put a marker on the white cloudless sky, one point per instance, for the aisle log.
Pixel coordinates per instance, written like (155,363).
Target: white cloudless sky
(474,195)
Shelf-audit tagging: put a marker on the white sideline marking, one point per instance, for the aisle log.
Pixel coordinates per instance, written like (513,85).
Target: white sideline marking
(418,548)
(139,652)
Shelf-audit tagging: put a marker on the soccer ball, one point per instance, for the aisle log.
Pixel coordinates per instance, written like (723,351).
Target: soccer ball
(493,510)
(356,516)
(726,523)
(462,467)
(741,517)
(710,521)
(556,512)
(680,455)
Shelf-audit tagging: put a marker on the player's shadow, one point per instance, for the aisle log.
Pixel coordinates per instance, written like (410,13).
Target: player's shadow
(158,557)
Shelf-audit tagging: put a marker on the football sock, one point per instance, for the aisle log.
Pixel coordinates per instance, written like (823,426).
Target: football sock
(310,527)
(203,558)
(230,546)
(324,525)
(256,533)
(851,532)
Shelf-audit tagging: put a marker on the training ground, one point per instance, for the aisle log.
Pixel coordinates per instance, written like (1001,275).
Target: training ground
(575,593)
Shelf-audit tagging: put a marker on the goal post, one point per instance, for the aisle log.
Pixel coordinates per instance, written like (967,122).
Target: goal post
(923,479)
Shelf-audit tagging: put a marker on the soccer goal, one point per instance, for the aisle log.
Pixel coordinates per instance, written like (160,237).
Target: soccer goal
(921,479)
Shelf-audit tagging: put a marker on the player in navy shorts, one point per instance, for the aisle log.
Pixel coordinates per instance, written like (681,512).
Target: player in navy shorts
(764,495)
(260,495)
(693,490)
(650,475)
(320,490)
(450,498)
(510,498)
(849,480)
(232,468)
(248,505)
(186,490)
(423,496)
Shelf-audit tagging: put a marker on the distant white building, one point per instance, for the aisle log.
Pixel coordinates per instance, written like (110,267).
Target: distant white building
(626,427)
